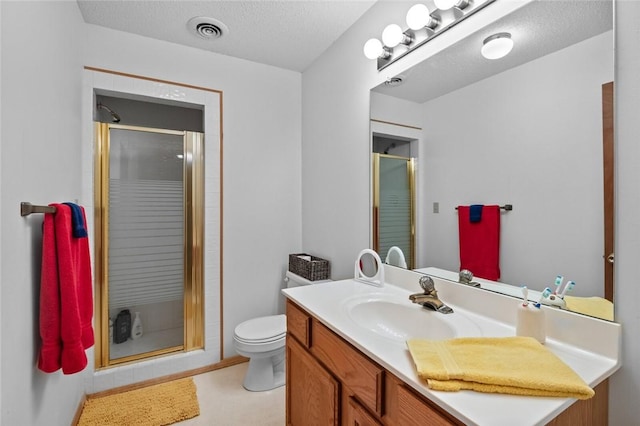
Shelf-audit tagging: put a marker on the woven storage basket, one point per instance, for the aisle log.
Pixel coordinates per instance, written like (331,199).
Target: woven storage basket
(313,270)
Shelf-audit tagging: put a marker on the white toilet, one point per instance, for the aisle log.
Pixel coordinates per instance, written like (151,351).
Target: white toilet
(262,340)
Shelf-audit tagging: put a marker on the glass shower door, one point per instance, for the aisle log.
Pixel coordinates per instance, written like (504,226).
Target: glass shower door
(393,205)
(146,240)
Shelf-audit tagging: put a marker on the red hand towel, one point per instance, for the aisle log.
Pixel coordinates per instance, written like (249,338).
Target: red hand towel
(66,297)
(480,242)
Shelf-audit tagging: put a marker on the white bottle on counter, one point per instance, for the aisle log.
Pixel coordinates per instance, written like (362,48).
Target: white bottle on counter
(531,322)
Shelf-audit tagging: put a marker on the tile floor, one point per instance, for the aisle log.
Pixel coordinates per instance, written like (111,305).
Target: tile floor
(224,402)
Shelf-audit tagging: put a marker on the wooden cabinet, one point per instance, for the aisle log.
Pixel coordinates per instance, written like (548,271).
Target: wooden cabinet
(329,382)
(357,415)
(312,393)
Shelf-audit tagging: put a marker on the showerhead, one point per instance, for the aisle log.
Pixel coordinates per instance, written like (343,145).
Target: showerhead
(114,117)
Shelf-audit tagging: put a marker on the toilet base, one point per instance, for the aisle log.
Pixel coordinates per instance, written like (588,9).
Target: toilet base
(265,373)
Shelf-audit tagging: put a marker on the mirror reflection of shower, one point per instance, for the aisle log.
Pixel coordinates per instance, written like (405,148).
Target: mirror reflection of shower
(114,116)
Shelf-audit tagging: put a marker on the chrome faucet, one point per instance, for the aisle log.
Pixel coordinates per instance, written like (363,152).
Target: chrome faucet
(429,299)
(466,277)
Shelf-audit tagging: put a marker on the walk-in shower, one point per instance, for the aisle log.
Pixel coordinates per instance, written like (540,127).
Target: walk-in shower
(149,240)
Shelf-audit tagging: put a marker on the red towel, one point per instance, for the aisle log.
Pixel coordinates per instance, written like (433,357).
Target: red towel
(66,295)
(480,242)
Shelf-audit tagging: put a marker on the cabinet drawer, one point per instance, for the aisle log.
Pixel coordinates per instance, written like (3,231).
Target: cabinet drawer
(361,375)
(299,324)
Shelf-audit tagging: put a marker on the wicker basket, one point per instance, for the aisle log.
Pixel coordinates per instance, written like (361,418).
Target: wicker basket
(313,270)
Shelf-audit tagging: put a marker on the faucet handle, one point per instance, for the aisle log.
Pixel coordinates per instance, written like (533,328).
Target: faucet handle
(465,276)
(427,284)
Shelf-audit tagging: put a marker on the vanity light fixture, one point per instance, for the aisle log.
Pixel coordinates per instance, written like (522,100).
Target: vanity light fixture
(448,4)
(424,25)
(497,46)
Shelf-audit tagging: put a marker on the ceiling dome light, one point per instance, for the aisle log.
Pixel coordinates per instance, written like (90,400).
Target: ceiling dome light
(373,48)
(392,35)
(497,46)
(448,4)
(419,17)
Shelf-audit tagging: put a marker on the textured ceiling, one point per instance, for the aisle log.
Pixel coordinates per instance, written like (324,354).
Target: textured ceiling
(538,29)
(288,34)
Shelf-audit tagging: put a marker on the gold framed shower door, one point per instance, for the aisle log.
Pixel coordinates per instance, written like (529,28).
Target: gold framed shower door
(193,245)
(376,184)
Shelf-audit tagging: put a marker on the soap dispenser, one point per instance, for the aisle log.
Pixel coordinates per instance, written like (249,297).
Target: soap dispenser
(530,321)
(136,330)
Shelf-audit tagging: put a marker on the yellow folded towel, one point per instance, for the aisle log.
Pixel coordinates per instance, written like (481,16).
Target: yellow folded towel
(593,306)
(510,365)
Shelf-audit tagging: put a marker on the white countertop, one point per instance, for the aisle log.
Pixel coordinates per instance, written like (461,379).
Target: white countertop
(328,303)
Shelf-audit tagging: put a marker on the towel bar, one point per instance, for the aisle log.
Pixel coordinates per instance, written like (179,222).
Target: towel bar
(507,207)
(27,208)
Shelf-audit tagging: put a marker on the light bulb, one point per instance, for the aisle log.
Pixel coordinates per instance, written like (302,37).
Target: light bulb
(373,48)
(445,4)
(497,46)
(392,35)
(418,17)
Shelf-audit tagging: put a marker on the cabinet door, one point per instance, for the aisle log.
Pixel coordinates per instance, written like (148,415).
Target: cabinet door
(358,416)
(312,393)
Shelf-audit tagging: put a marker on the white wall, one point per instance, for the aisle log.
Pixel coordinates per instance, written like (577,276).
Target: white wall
(41,83)
(395,110)
(625,385)
(261,125)
(528,137)
(42,77)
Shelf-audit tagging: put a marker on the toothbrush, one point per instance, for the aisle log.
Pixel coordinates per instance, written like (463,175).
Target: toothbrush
(568,287)
(559,280)
(545,295)
(525,294)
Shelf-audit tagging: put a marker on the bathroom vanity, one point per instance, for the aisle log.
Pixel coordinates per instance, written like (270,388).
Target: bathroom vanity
(347,362)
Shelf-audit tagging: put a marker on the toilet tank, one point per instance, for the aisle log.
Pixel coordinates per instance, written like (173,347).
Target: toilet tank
(295,280)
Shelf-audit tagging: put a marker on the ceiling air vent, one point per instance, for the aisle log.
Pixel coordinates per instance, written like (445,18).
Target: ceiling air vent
(207,28)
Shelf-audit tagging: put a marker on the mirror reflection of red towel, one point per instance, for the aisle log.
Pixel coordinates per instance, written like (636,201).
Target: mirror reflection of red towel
(480,242)
(66,298)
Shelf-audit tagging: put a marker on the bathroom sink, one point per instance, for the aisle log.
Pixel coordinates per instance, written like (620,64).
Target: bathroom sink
(398,320)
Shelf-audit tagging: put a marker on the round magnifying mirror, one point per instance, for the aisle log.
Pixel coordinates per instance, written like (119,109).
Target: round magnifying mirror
(368,268)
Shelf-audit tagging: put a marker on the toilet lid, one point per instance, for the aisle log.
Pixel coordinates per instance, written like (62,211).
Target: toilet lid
(262,328)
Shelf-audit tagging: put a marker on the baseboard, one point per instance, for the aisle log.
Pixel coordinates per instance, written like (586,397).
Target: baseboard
(76,418)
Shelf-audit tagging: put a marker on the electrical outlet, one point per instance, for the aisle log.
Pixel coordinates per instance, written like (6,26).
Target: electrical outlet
(436,207)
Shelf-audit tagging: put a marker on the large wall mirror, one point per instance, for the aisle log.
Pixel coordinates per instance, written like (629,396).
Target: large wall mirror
(528,130)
